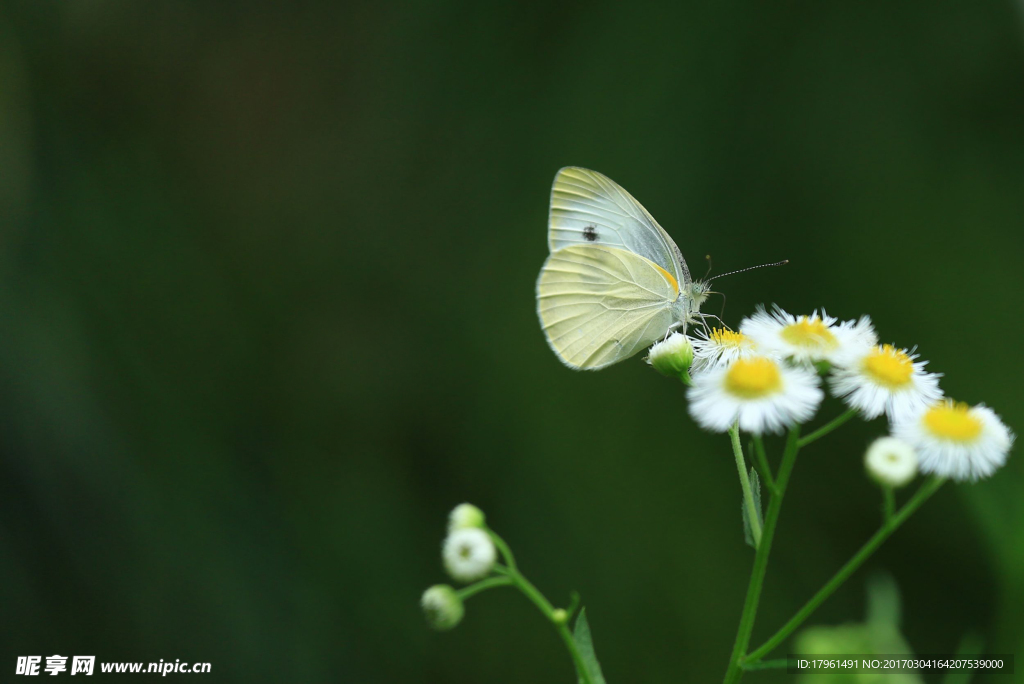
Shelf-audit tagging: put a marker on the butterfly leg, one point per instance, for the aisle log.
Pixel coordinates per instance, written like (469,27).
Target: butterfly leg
(671,329)
(704,316)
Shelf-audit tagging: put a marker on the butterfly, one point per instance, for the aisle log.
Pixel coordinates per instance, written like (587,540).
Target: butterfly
(614,282)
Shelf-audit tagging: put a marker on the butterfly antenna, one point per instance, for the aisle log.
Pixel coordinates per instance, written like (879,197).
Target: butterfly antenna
(708,257)
(751,268)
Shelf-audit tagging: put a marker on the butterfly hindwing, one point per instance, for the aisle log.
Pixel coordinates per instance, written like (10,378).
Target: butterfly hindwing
(599,304)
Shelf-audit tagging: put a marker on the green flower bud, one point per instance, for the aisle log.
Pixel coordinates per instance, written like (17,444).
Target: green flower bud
(442,607)
(559,616)
(672,356)
(465,515)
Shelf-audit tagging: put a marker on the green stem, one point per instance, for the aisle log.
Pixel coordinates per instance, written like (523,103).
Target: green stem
(922,495)
(466,592)
(768,665)
(762,459)
(506,552)
(890,502)
(828,427)
(757,573)
(545,607)
(511,575)
(753,514)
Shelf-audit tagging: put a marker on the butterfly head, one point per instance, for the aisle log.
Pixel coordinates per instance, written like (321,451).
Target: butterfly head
(696,295)
(690,300)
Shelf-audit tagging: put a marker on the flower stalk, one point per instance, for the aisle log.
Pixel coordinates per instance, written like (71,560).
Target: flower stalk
(923,494)
(511,575)
(757,573)
(828,427)
(762,460)
(482,585)
(753,511)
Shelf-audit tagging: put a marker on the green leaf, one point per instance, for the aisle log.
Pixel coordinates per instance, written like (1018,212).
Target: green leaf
(755,490)
(883,601)
(585,644)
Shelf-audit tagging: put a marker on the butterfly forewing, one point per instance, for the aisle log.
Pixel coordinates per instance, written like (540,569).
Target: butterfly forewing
(589,208)
(599,305)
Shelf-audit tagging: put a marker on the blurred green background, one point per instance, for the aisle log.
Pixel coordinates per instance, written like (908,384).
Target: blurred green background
(266,283)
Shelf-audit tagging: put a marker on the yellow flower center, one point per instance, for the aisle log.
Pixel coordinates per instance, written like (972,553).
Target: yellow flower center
(728,338)
(809,332)
(889,367)
(953,421)
(753,378)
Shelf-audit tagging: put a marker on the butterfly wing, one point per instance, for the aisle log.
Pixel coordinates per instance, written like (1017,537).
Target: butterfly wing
(599,305)
(589,208)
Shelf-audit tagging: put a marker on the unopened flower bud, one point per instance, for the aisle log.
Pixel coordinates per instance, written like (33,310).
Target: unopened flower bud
(468,554)
(442,607)
(672,357)
(891,462)
(559,616)
(465,515)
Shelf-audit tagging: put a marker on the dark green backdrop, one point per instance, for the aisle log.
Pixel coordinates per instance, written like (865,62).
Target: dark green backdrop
(266,285)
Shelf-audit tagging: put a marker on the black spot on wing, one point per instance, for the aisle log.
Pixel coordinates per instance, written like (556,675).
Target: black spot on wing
(590,234)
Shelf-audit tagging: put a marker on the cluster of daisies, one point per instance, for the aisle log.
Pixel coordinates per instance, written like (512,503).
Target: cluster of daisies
(767,376)
(468,554)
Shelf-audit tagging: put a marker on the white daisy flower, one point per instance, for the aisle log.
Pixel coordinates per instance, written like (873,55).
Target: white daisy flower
(886,379)
(809,339)
(720,347)
(673,356)
(891,461)
(442,607)
(468,554)
(465,515)
(760,392)
(957,441)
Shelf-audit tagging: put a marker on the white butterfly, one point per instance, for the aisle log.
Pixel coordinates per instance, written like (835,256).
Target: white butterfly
(615,282)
